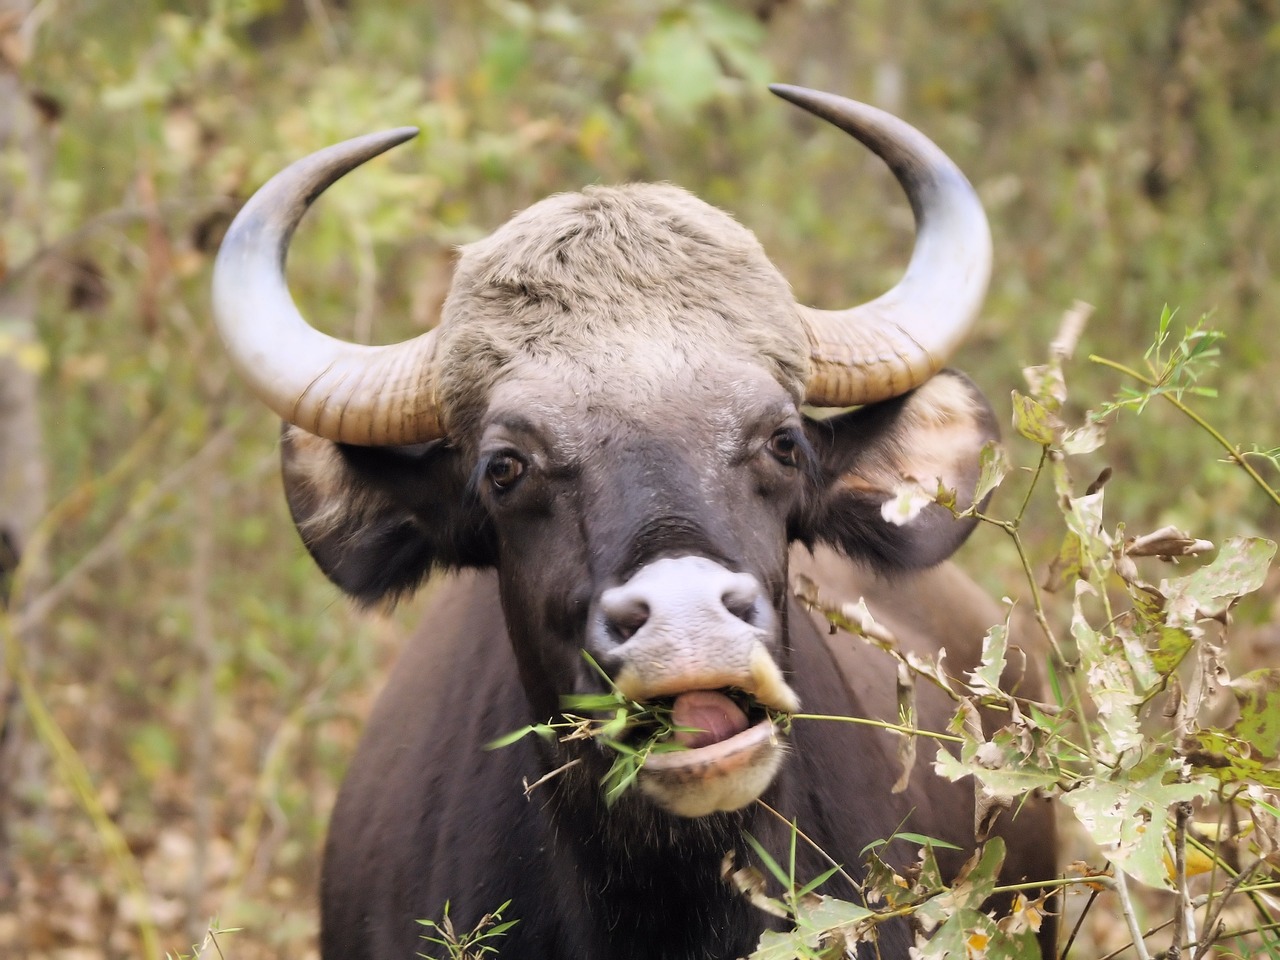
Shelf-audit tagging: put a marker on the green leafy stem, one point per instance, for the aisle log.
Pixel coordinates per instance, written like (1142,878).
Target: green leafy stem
(1234,453)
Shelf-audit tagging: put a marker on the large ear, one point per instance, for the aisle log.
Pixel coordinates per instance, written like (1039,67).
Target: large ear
(378,520)
(878,464)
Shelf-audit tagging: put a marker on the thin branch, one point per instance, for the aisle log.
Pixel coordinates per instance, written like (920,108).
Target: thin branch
(1130,915)
(1233,452)
(547,777)
(1150,932)
(822,853)
(205,647)
(129,527)
(882,724)
(1182,916)
(120,215)
(1031,487)
(67,759)
(73,769)
(1075,930)
(1220,898)
(324,27)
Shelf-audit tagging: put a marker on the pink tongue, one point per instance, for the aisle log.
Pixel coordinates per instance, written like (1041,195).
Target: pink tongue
(712,717)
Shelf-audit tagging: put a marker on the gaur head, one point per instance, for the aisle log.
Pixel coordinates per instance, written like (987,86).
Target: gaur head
(611,415)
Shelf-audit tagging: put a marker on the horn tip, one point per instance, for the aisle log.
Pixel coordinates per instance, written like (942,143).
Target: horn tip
(801,96)
(380,142)
(828,106)
(788,91)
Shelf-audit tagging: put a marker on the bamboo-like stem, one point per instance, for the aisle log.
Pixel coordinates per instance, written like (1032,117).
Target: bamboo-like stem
(1236,455)
(882,724)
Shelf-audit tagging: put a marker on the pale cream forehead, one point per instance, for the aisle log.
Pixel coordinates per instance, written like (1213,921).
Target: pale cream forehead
(631,283)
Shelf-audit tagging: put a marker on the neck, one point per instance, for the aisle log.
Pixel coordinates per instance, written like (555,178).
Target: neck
(653,885)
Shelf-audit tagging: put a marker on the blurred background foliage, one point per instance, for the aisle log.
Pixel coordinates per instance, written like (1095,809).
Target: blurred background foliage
(210,680)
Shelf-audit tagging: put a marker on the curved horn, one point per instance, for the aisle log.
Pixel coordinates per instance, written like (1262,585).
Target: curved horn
(337,390)
(889,345)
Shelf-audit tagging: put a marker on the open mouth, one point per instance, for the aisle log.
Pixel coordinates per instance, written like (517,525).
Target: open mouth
(705,717)
(723,751)
(695,721)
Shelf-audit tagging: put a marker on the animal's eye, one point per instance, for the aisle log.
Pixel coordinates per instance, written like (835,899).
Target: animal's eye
(784,448)
(504,470)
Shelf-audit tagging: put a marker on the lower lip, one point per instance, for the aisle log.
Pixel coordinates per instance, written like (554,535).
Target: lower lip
(722,757)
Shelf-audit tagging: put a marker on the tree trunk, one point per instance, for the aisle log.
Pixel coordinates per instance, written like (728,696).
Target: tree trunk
(22,473)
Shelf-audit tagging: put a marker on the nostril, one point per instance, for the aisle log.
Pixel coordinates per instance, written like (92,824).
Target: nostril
(743,600)
(624,616)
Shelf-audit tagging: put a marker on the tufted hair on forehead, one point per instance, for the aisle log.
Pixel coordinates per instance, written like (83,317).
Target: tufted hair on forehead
(606,285)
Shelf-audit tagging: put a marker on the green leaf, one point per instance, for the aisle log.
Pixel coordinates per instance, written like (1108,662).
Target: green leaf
(1126,817)
(770,864)
(829,913)
(922,840)
(825,927)
(1093,559)
(929,878)
(1141,664)
(1111,683)
(541,729)
(776,945)
(817,881)
(621,775)
(1258,697)
(999,765)
(993,465)
(1162,331)
(1035,421)
(1068,565)
(617,726)
(1172,645)
(954,912)
(676,67)
(1230,760)
(590,702)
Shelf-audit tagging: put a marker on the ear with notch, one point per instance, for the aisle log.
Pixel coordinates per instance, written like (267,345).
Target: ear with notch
(869,457)
(378,520)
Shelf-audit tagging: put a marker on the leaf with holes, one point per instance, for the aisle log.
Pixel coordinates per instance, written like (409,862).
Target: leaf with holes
(1126,817)
(1110,683)
(1258,696)
(1229,759)
(1001,765)
(985,679)
(954,919)
(1240,568)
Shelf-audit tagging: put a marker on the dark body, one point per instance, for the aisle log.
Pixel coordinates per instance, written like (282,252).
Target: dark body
(609,447)
(427,815)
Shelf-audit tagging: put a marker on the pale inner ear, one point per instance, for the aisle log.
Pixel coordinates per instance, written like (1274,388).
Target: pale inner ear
(937,438)
(312,461)
(316,483)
